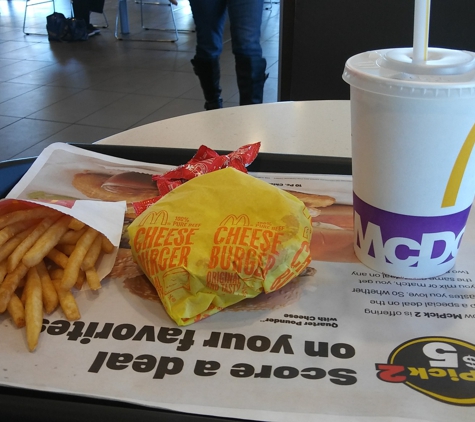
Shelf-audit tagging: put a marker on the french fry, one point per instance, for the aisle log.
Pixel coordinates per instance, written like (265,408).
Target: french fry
(11,245)
(107,245)
(75,260)
(71,237)
(56,273)
(23,293)
(67,302)
(17,311)
(22,283)
(25,215)
(3,270)
(33,308)
(10,284)
(29,241)
(13,229)
(46,242)
(67,249)
(92,254)
(93,279)
(80,280)
(28,287)
(76,224)
(58,257)
(50,296)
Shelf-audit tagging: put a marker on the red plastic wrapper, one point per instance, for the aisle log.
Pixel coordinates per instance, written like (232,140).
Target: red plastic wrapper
(204,161)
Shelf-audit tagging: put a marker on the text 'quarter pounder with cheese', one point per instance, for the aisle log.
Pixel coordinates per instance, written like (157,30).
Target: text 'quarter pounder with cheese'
(218,239)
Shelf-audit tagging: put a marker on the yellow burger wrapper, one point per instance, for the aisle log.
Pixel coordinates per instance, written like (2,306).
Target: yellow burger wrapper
(218,239)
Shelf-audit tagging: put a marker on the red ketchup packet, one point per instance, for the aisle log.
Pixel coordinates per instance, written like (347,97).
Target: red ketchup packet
(204,161)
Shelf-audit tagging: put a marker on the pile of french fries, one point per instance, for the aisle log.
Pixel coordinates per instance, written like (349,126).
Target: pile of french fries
(43,255)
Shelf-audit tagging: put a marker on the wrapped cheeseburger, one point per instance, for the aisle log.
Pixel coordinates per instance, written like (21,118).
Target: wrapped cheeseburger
(218,239)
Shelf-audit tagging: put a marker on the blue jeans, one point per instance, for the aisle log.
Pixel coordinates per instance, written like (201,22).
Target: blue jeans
(245,17)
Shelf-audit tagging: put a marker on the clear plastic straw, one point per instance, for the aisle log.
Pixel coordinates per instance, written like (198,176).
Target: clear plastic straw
(421,30)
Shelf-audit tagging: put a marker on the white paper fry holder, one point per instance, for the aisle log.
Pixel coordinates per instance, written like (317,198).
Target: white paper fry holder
(105,217)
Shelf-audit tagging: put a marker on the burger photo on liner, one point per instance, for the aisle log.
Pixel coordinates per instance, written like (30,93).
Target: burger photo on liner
(332,223)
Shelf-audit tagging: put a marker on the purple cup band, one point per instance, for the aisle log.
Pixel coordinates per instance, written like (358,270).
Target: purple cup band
(406,240)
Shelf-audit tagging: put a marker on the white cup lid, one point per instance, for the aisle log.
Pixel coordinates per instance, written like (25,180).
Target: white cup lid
(439,61)
(445,74)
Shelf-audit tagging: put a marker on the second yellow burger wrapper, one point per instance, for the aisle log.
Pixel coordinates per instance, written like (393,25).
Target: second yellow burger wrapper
(218,239)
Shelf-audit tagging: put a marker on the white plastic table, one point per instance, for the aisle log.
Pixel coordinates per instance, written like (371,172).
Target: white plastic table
(305,128)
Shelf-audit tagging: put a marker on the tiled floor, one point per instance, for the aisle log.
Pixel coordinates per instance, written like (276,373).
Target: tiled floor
(86,91)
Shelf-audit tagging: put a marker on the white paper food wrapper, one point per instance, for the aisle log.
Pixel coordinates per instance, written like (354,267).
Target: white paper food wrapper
(106,217)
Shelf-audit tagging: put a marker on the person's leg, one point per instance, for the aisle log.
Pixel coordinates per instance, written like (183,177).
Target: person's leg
(246,18)
(209,17)
(96,6)
(81,10)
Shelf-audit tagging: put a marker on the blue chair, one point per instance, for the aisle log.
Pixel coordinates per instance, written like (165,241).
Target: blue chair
(122,20)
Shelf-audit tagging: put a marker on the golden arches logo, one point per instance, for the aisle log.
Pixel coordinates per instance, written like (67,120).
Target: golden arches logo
(458,171)
(160,217)
(232,220)
(307,233)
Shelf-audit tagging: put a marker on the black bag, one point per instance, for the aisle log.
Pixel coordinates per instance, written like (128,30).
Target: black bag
(77,30)
(60,28)
(56,26)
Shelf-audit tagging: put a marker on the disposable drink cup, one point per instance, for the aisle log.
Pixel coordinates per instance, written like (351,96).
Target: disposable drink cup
(412,128)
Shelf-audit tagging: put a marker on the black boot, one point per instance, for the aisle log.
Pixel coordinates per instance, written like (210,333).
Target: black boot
(251,76)
(209,74)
